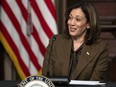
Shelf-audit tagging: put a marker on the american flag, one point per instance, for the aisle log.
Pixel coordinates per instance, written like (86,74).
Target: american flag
(26,27)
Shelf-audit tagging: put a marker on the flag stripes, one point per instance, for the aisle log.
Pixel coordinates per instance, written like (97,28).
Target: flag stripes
(15,49)
(22,9)
(26,27)
(51,8)
(40,17)
(41,47)
(21,35)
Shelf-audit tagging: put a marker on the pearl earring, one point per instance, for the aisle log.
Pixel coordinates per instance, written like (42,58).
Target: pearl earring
(88,27)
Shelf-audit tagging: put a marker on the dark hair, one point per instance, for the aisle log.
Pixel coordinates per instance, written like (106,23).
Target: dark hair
(92,17)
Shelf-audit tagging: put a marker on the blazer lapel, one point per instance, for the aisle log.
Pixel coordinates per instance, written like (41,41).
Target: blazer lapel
(86,56)
(67,44)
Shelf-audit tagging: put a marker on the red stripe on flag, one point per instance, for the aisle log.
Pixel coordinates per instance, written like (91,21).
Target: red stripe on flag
(15,49)
(41,47)
(22,37)
(23,10)
(51,8)
(46,28)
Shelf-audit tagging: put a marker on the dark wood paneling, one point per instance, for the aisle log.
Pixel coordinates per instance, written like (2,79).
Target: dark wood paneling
(111,73)
(106,8)
(102,0)
(1,63)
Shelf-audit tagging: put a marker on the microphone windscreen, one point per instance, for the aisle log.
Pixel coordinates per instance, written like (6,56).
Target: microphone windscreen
(54,38)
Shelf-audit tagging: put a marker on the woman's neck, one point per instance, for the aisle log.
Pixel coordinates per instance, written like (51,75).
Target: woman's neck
(77,42)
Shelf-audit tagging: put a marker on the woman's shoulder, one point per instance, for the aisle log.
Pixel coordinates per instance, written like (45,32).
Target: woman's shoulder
(60,36)
(101,43)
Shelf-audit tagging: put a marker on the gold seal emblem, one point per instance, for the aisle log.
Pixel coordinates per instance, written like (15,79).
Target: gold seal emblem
(36,81)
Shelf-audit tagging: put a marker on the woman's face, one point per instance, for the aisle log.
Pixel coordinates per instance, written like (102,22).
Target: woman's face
(77,23)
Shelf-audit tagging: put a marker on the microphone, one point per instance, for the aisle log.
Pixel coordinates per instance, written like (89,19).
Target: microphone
(57,80)
(48,71)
